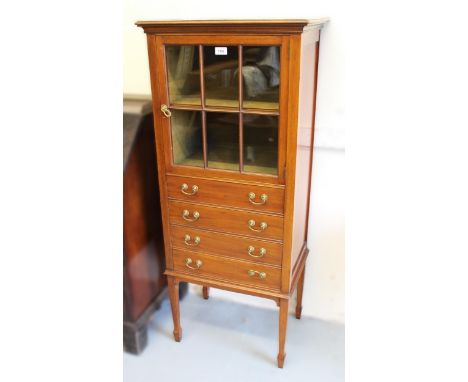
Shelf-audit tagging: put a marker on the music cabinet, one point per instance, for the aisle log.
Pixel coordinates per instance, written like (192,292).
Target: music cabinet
(234,110)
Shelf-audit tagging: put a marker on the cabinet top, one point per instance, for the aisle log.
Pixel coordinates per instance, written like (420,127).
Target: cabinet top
(292,26)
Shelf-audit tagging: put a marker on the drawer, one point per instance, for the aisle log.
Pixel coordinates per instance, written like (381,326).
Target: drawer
(225,193)
(242,248)
(226,219)
(200,264)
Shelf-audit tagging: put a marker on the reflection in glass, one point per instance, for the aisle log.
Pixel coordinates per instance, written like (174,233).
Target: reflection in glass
(220,68)
(260,144)
(183,69)
(261,77)
(222,130)
(187,141)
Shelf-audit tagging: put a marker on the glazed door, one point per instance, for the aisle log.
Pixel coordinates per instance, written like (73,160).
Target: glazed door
(221,106)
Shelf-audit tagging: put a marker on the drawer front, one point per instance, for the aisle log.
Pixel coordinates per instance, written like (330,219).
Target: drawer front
(226,193)
(242,248)
(198,264)
(227,220)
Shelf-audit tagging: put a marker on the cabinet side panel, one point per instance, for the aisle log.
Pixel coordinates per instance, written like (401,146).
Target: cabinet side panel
(308,62)
(292,104)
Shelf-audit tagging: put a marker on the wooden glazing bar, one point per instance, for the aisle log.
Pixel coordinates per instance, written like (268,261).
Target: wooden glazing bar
(260,111)
(241,59)
(202,76)
(241,143)
(241,123)
(185,107)
(202,95)
(223,109)
(204,141)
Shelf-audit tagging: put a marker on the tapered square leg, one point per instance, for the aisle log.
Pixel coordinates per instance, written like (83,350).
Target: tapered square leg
(300,289)
(173,289)
(283,323)
(206,292)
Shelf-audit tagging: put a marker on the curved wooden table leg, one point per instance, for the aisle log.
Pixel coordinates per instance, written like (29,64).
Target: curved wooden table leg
(283,322)
(173,289)
(300,289)
(206,292)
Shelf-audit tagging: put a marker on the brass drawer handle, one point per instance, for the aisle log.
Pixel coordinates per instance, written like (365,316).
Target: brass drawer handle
(186,214)
(263,226)
(252,273)
(189,261)
(184,187)
(251,251)
(196,240)
(263,198)
(167,113)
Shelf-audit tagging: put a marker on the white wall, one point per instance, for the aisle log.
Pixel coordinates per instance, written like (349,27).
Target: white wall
(324,285)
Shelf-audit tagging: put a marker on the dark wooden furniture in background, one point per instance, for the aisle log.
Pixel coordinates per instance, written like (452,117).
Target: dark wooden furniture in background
(234,110)
(144,284)
(143,248)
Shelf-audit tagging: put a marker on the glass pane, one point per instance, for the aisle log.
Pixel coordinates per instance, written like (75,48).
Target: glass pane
(261,77)
(261,144)
(222,135)
(187,141)
(183,71)
(220,68)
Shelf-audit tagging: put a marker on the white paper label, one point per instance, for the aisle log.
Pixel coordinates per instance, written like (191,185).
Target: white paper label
(220,51)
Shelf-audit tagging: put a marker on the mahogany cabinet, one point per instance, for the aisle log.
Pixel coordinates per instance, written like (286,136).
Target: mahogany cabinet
(234,110)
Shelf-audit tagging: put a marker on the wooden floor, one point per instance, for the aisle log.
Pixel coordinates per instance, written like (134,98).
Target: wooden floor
(238,342)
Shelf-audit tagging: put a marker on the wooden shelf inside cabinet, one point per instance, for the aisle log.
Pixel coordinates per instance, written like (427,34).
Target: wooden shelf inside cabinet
(235,211)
